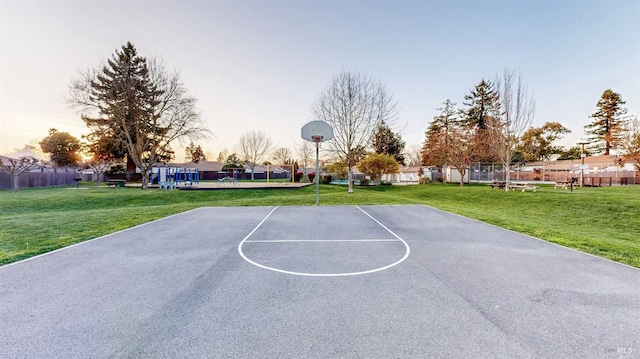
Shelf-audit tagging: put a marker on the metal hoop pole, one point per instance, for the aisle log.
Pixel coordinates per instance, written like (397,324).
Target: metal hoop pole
(317,178)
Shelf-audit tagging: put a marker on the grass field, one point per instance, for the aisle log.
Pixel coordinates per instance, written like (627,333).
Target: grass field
(601,221)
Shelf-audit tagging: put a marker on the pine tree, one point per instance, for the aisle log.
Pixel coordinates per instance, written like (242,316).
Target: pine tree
(449,141)
(437,137)
(198,155)
(482,105)
(605,131)
(137,106)
(126,98)
(482,102)
(387,142)
(188,152)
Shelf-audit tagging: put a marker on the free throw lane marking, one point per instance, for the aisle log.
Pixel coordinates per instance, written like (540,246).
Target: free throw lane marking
(321,240)
(397,238)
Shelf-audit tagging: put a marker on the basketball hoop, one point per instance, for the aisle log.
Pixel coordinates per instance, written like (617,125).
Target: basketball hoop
(317,131)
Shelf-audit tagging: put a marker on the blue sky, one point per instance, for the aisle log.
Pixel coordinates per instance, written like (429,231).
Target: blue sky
(260,65)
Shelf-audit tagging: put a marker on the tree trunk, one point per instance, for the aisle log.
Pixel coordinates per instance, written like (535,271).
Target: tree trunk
(350,180)
(507,175)
(462,172)
(145,177)
(131,167)
(16,184)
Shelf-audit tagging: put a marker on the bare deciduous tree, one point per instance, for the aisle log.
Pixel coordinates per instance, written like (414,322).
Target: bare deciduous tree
(282,156)
(354,105)
(517,109)
(17,166)
(630,142)
(413,155)
(305,154)
(254,147)
(100,165)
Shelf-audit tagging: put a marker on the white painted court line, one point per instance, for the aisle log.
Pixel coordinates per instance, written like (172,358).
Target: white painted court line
(397,238)
(380,224)
(321,240)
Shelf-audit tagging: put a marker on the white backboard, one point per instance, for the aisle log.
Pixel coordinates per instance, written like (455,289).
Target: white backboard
(317,131)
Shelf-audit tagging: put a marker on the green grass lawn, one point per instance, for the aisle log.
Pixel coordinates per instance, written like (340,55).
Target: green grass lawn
(601,221)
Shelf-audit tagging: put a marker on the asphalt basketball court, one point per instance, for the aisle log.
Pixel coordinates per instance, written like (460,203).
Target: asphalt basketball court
(318,282)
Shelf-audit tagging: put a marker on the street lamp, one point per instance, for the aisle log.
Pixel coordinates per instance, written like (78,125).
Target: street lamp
(582,156)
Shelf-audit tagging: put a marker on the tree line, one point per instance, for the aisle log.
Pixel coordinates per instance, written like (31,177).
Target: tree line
(136,108)
(494,125)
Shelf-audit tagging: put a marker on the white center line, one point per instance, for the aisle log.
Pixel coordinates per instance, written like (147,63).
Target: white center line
(321,240)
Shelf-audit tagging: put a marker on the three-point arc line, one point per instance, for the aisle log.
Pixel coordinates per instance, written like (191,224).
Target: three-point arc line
(397,238)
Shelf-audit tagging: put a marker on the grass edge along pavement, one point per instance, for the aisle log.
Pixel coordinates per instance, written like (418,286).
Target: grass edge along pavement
(601,221)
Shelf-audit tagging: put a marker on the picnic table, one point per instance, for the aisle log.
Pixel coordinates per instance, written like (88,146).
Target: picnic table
(564,184)
(524,186)
(116,183)
(499,184)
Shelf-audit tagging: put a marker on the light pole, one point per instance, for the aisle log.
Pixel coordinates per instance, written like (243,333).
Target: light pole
(582,156)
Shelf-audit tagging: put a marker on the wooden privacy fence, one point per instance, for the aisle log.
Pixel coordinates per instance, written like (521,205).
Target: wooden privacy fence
(44,177)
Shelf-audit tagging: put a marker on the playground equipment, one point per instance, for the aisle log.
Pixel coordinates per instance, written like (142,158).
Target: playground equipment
(269,170)
(170,177)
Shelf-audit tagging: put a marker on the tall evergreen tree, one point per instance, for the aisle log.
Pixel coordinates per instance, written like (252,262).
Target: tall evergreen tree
(139,105)
(194,153)
(481,103)
(604,132)
(449,141)
(387,142)
(126,96)
(437,137)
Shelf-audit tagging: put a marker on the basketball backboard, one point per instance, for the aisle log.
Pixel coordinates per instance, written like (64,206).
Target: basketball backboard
(317,131)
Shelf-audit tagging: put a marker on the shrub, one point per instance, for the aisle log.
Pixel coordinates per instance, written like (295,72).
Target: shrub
(385,183)
(364,182)
(424,180)
(297,176)
(304,179)
(326,179)
(312,176)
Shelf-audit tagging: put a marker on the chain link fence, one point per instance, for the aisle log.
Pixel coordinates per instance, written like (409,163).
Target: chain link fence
(594,174)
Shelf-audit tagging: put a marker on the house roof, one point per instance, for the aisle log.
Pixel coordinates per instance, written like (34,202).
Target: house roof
(409,169)
(202,166)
